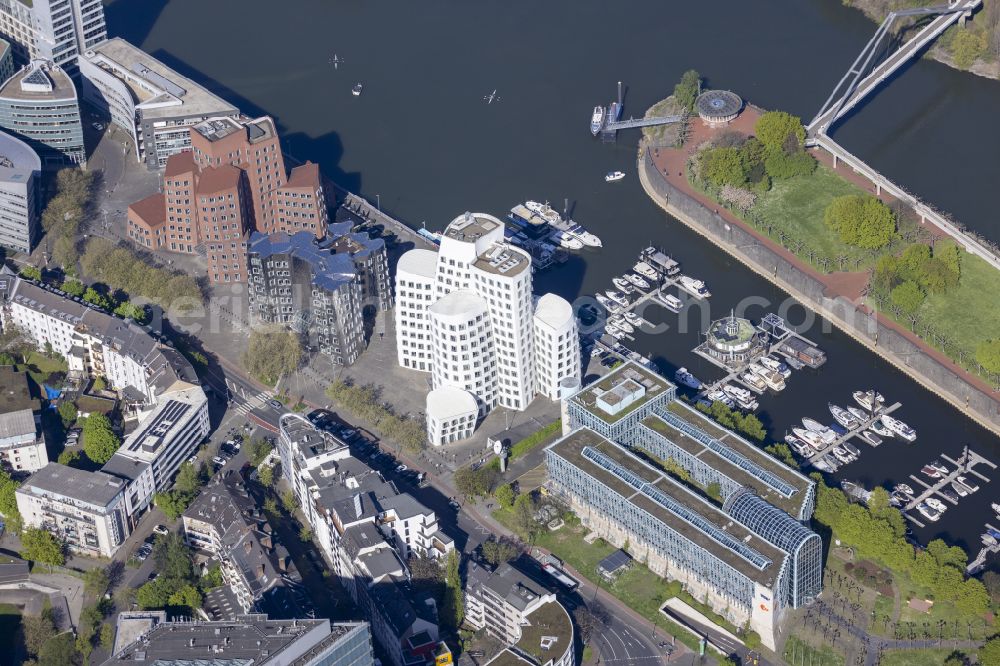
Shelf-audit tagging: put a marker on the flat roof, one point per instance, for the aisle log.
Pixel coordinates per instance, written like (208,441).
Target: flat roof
(548,634)
(448,402)
(418,262)
(17,159)
(503,259)
(654,384)
(716,523)
(39,81)
(196,100)
(96,488)
(470,227)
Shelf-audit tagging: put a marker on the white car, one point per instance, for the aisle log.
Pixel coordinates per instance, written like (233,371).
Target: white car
(401,468)
(97,126)
(161,529)
(219,461)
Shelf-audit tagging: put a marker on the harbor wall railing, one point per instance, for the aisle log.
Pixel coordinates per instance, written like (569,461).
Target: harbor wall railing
(946,380)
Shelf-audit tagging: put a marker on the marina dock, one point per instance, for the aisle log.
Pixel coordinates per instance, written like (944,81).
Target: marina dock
(963,466)
(977,564)
(611,122)
(854,432)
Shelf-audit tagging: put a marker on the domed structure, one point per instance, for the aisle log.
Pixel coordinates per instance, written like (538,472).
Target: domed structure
(734,340)
(718,106)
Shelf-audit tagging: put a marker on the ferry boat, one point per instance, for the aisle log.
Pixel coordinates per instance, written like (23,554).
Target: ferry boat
(968,484)
(632,318)
(753,380)
(612,176)
(870,437)
(870,400)
(904,488)
(356,90)
(685,378)
(671,302)
(775,365)
(636,280)
(622,283)
(842,416)
(645,270)
(931,471)
(617,297)
(566,241)
(597,120)
(879,428)
(696,287)
(936,504)
(899,428)
(927,512)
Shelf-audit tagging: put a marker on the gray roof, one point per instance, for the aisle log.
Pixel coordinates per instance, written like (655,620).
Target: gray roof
(55,84)
(15,392)
(250,639)
(14,424)
(95,488)
(405,506)
(18,161)
(124,467)
(508,583)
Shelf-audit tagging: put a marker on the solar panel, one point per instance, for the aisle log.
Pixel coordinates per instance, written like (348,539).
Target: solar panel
(709,528)
(786,489)
(610,465)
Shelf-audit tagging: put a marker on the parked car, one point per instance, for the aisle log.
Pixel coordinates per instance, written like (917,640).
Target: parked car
(193,459)
(348,433)
(161,529)
(219,461)
(401,468)
(455,505)
(97,126)
(275,404)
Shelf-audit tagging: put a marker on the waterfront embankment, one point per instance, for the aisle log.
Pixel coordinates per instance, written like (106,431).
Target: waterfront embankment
(895,344)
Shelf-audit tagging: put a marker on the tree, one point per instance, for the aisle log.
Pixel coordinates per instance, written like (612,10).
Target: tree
(907,296)
(173,557)
(95,581)
(171,503)
(272,352)
(476,482)
(686,90)
(861,221)
(96,298)
(289,501)
(724,166)
(265,474)
(99,384)
(989,654)
(782,166)
(967,47)
(305,534)
(107,636)
(67,412)
(69,457)
(16,341)
(453,609)
(212,578)
(73,287)
(187,595)
(38,545)
(988,354)
(972,598)
(782,452)
(154,594)
(524,516)
(8,498)
(505,495)
(59,651)
(991,581)
(136,313)
(497,551)
(590,620)
(256,450)
(774,127)
(99,440)
(30,272)
(37,630)
(190,478)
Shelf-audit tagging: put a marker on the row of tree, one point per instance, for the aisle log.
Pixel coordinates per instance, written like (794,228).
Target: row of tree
(366,402)
(120,268)
(272,352)
(876,532)
(746,424)
(63,214)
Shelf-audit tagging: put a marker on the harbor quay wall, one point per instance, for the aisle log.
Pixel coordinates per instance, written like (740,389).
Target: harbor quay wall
(887,342)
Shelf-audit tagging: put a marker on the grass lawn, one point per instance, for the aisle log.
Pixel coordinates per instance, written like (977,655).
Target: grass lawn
(928,657)
(963,313)
(796,207)
(883,608)
(800,653)
(40,366)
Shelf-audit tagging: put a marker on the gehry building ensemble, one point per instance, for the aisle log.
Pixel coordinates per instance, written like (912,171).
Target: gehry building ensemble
(467,315)
(232,182)
(735,532)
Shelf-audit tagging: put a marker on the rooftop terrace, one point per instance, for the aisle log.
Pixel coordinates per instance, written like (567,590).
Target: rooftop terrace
(621,378)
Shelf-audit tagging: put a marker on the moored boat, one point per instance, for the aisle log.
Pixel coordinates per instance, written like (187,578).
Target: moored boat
(637,280)
(597,120)
(928,512)
(685,378)
(671,302)
(968,484)
(753,380)
(632,318)
(621,283)
(870,437)
(566,241)
(879,428)
(899,428)
(860,414)
(606,302)
(612,176)
(931,471)
(775,365)
(623,325)
(694,286)
(617,297)
(936,504)
(842,416)
(959,489)
(809,437)
(720,396)
(356,90)
(870,400)
(645,270)
(904,488)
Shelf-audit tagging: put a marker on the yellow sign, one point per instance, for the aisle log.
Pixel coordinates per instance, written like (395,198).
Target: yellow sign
(443,659)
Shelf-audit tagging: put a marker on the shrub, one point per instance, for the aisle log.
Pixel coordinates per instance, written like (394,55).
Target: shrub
(861,221)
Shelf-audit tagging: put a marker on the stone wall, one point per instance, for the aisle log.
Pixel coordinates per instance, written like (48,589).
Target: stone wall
(945,380)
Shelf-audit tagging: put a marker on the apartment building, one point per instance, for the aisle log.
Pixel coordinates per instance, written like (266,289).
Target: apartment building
(319,287)
(85,510)
(20,208)
(366,530)
(56,30)
(231,183)
(521,614)
(742,543)
(467,315)
(151,102)
(225,522)
(148,637)
(22,442)
(38,105)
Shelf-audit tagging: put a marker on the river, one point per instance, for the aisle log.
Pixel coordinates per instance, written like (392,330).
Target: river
(422,142)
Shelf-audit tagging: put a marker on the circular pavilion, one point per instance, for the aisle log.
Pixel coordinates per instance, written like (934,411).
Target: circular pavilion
(734,340)
(718,106)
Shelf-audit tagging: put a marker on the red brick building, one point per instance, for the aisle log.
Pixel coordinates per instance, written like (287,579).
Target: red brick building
(231,183)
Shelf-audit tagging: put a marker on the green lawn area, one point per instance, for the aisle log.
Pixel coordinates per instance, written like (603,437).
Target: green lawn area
(966,314)
(800,653)
(796,207)
(928,657)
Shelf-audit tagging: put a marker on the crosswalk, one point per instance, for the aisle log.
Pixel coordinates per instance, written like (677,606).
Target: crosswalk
(253,402)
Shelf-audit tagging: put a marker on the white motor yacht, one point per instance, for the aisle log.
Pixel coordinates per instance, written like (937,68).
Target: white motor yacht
(671,302)
(622,283)
(843,417)
(694,287)
(637,281)
(623,325)
(612,176)
(566,241)
(684,377)
(870,400)
(879,428)
(632,318)
(597,120)
(720,396)
(871,437)
(773,380)
(775,365)
(753,380)
(927,512)
(606,302)
(936,504)
(738,393)
(809,437)
(617,297)
(968,484)
(899,428)
(860,414)
(645,270)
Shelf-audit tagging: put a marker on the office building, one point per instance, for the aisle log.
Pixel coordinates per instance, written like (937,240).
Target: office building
(467,315)
(232,182)
(56,30)
(151,102)
(84,510)
(523,616)
(366,530)
(22,442)
(148,637)
(319,287)
(741,543)
(39,106)
(20,170)
(226,523)
(7,66)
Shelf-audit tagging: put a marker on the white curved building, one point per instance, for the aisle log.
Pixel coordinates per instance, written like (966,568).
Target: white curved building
(467,314)
(557,344)
(415,279)
(451,415)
